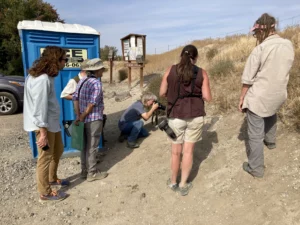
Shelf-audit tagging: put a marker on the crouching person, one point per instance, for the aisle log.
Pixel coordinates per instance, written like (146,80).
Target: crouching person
(130,123)
(89,106)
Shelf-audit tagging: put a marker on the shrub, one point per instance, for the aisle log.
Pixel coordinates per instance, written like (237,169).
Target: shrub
(221,67)
(210,54)
(123,74)
(154,86)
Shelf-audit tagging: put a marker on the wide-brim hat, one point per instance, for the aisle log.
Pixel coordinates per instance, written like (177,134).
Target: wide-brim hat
(83,64)
(94,64)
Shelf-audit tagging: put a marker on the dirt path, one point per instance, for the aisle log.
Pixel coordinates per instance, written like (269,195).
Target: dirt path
(135,192)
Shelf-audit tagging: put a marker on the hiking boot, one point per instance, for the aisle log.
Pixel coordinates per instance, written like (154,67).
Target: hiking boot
(53,196)
(132,145)
(60,182)
(96,176)
(122,138)
(83,174)
(247,169)
(173,187)
(185,190)
(270,145)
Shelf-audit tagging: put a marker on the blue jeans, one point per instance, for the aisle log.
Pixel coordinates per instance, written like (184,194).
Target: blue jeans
(134,130)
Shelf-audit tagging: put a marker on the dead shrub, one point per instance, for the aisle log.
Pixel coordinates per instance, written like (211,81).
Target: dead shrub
(225,70)
(290,112)
(221,67)
(154,86)
(211,53)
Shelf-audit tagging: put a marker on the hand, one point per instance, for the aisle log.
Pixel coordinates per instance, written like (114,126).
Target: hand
(43,141)
(241,105)
(82,117)
(154,106)
(76,122)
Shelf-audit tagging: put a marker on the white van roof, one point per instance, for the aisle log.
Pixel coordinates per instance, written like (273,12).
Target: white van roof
(56,27)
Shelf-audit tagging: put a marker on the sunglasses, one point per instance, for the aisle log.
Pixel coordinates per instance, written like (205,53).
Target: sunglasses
(66,60)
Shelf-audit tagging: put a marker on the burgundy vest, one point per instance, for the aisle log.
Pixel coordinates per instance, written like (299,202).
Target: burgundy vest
(188,107)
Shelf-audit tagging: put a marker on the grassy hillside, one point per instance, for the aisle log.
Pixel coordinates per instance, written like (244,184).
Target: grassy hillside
(224,59)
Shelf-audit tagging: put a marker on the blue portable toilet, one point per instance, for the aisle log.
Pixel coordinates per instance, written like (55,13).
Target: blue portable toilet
(80,42)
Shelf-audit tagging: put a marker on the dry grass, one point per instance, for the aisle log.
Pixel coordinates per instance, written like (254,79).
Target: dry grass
(231,53)
(290,112)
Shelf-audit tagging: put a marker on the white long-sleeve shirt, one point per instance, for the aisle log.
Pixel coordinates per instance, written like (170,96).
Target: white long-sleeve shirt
(70,88)
(41,108)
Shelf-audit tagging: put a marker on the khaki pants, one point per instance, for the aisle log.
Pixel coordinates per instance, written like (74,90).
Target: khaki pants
(187,130)
(47,162)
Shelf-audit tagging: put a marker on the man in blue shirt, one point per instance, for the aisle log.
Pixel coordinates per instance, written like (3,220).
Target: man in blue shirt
(130,124)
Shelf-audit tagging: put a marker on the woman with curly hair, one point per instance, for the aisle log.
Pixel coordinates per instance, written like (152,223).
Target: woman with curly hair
(41,114)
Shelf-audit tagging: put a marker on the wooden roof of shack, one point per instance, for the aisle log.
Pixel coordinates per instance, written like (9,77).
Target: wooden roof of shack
(138,35)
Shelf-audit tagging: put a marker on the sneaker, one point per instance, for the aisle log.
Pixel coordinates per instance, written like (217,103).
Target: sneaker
(96,176)
(60,182)
(270,145)
(185,190)
(173,187)
(247,169)
(53,196)
(132,145)
(83,174)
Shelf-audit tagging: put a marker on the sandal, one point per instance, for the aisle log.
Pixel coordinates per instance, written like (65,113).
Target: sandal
(60,182)
(53,196)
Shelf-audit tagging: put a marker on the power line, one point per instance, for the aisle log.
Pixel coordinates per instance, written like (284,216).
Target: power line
(236,31)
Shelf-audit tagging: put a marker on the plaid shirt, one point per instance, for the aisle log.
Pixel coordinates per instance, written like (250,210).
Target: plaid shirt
(91,92)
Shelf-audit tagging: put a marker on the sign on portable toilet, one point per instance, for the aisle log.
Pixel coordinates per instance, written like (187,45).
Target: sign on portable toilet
(80,42)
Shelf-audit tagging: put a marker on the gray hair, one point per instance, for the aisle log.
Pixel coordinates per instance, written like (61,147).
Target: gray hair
(146,96)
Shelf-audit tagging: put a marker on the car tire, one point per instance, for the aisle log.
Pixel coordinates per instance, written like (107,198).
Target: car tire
(8,103)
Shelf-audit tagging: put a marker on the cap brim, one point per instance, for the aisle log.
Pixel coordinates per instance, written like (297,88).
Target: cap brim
(96,68)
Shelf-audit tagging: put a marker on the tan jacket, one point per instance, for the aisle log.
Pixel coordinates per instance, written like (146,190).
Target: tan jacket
(267,71)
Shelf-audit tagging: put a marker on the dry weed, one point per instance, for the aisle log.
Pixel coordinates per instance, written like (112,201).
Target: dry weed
(233,50)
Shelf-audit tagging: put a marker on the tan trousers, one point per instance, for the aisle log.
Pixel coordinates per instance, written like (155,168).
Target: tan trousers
(47,162)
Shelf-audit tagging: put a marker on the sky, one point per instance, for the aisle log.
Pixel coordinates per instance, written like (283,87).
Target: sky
(169,24)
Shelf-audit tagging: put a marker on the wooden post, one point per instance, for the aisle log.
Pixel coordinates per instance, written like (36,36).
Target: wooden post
(129,77)
(111,68)
(141,77)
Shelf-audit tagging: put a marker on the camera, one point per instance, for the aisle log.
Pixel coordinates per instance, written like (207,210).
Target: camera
(164,126)
(160,106)
(45,148)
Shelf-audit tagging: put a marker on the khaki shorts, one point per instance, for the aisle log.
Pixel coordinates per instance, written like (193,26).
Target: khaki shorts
(187,130)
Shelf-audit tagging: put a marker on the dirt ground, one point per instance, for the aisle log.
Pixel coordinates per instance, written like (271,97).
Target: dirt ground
(135,191)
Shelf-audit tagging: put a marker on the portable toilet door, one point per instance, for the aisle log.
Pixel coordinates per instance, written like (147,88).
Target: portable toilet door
(80,42)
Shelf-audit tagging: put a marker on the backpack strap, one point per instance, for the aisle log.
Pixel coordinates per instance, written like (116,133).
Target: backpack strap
(195,73)
(76,78)
(81,87)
